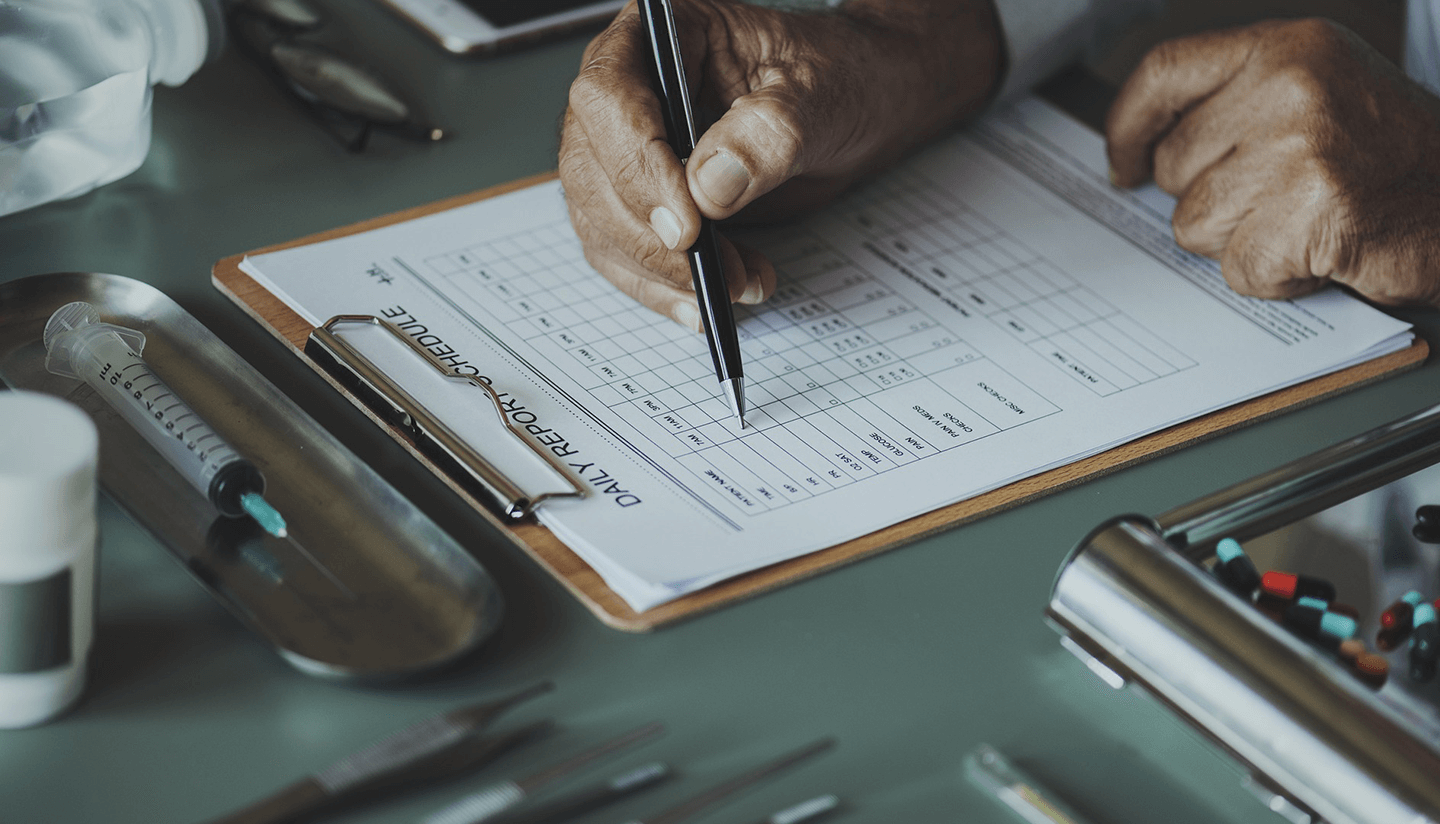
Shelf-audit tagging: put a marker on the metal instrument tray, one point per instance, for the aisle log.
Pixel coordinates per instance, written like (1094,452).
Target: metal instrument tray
(365,587)
(1136,602)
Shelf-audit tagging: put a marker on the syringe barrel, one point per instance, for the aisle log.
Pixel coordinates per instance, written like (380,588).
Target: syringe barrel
(98,355)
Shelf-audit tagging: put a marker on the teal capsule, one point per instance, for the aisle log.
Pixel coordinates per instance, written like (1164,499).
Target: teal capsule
(1320,625)
(1228,549)
(1312,602)
(1337,626)
(1234,568)
(1424,614)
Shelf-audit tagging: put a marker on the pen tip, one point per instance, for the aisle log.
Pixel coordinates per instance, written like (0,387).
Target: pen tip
(735,390)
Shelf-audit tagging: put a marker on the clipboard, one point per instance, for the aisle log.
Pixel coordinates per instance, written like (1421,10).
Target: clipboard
(586,585)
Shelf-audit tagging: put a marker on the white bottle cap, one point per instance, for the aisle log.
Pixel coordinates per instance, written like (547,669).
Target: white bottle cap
(47,555)
(47,482)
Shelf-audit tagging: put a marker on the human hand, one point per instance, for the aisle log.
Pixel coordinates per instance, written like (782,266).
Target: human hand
(1299,155)
(810,101)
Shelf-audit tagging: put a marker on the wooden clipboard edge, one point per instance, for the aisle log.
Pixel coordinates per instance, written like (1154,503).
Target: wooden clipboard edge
(587,586)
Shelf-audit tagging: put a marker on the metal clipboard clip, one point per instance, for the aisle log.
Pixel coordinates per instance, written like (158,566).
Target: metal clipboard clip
(432,436)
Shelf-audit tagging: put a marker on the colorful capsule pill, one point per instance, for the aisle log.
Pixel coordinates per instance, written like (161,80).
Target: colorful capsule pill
(1313,603)
(1424,644)
(1235,569)
(1398,614)
(1288,586)
(1423,614)
(1319,625)
(1395,621)
(1371,668)
(1351,648)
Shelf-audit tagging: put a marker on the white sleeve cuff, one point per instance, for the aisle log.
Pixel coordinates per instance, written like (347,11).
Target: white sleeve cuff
(1041,36)
(1422,43)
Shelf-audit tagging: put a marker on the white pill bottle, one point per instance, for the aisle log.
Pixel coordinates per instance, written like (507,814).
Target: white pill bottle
(48,539)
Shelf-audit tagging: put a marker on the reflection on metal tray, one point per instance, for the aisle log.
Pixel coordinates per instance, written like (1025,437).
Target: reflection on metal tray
(1135,601)
(365,586)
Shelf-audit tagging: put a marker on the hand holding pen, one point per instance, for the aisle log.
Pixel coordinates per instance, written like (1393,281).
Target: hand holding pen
(810,102)
(706,274)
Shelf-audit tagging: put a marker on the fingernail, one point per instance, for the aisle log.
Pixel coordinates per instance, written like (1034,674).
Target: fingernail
(688,315)
(722,178)
(753,293)
(666,225)
(1114,178)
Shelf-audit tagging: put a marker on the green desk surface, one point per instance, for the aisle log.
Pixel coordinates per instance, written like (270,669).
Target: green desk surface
(912,658)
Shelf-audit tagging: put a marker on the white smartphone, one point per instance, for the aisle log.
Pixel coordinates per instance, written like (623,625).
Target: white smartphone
(478,26)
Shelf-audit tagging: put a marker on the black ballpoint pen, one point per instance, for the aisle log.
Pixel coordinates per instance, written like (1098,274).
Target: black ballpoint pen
(705,269)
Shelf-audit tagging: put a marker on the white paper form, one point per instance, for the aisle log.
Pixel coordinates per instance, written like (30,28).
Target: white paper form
(989,310)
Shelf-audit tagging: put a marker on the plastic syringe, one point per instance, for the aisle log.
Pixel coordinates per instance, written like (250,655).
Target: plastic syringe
(107,358)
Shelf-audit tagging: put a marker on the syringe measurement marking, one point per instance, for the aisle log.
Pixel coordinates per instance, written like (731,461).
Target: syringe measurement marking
(77,342)
(161,414)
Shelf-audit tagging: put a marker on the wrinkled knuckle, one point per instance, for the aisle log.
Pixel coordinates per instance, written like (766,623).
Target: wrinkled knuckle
(1239,267)
(1158,65)
(1311,181)
(1297,87)
(652,256)
(591,88)
(1336,246)
(784,136)
(1258,270)
(628,172)
(1188,226)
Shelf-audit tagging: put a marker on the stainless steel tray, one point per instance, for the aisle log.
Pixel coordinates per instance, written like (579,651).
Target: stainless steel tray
(365,586)
(1135,602)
